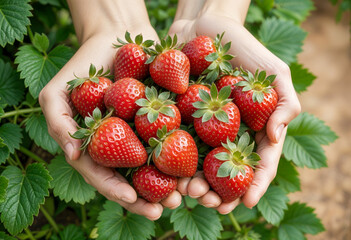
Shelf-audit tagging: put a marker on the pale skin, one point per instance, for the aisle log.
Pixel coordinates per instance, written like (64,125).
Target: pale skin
(97,24)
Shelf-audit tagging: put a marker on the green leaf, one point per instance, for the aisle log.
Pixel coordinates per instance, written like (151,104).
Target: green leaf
(4,236)
(301,77)
(25,192)
(52,2)
(36,69)
(12,136)
(255,14)
(244,214)
(68,184)
(296,10)
(287,176)
(38,131)
(71,232)
(113,223)
(3,185)
(282,38)
(11,87)
(40,42)
(272,204)
(222,116)
(299,219)
(13,20)
(4,154)
(199,223)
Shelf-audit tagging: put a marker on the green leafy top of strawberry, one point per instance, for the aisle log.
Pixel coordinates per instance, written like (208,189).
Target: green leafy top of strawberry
(258,83)
(92,123)
(212,104)
(166,44)
(154,104)
(220,60)
(156,143)
(93,76)
(138,40)
(232,72)
(240,154)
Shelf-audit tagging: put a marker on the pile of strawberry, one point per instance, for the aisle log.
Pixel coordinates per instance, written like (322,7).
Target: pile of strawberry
(152,95)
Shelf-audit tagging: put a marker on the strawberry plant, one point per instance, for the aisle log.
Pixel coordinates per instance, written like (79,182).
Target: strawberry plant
(43,197)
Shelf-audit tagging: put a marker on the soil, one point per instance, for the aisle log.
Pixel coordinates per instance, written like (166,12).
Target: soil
(327,54)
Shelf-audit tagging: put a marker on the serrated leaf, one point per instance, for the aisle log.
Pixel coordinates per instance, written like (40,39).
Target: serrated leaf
(4,236)
(4,154)
(254,14)
(199,223)
(114,224)
(3,185)
(11,87)
(12,136)
(38,131)
(70,232)
(301,77)
(52,2)
(36,69)
(25,192)
(13,20)
(68,184)
(40,42)
(282,38)
(299,219)
(296,10)
(244,214)
(272,204)
(287,176)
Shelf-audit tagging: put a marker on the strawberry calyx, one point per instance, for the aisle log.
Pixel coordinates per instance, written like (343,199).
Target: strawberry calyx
(232,72)
(154,104)
(93,123)
(259,83)
(166,44)
(219,60)
(240,154)
(156,143)
(138,40)
(212,104)
(93,76)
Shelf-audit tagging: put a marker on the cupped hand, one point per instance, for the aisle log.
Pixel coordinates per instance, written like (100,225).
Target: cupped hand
(251,55)
(57,108)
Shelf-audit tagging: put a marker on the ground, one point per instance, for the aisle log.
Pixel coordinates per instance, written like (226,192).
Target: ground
(327,54)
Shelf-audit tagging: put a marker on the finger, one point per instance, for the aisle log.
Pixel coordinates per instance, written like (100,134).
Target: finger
(210,200)
(60,123)
(152,211)
(182,186)
(198,186)
(266,170)
(173,200)
(226,208)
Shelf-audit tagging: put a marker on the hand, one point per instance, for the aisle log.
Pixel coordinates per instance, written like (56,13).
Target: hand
(54,99)
(250,54)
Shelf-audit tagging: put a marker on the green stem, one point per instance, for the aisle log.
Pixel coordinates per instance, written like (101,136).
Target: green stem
(18,161)
(84,216)
(11,162)
(29,233)
(30,34)
(32,155)
(50,219)
(166,235)
(234,222)
(21,111)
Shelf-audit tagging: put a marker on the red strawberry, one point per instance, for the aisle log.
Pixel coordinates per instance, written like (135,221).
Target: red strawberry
(228,169)
(217,118)
(130,58)
(256,99)
(111,142)
(169,67)
(122,95)
(88,93)
(229,79)
(185,102)
(152,184)
(175,153)
(156,112)
(196,50)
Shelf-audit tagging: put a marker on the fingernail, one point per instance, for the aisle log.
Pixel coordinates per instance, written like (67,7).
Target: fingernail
(126,199)
(69,150)
(278,132)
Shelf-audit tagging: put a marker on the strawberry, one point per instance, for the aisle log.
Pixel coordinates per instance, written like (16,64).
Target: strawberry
(229,168)
(111,142)
(122,95)
(156,111)
(88,93)
(169,67)
(152,184)
(196,50)
(256,99)
(229,79)
(131,57)
(175,152)
(218,118)
(185,102)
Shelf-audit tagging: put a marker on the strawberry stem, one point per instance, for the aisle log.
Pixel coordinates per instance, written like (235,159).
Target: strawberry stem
(234,222)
